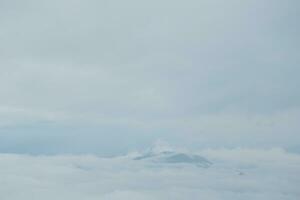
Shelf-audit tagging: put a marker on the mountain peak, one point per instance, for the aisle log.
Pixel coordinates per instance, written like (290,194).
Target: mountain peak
(162,153)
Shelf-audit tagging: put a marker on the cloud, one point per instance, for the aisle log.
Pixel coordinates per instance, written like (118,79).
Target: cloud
(223,72)
(117,59)
(235,174)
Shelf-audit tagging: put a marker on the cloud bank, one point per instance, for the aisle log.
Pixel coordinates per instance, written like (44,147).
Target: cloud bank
(239,174)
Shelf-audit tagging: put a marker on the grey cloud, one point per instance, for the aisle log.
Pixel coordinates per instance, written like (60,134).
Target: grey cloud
(164,69)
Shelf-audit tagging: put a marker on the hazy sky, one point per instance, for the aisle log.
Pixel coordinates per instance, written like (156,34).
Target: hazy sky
(110,76)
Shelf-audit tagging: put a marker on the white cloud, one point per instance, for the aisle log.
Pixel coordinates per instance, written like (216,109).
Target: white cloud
(239,174)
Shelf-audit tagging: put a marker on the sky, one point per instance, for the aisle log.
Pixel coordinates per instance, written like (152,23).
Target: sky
(108,77)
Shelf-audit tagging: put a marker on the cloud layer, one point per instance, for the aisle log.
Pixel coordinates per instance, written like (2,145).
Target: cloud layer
(198,73)
(235,174)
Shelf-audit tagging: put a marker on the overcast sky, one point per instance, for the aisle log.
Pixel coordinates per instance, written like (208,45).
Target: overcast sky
(110,76)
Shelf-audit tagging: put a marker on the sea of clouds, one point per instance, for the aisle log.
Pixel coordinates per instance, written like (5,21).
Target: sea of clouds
(236,174)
